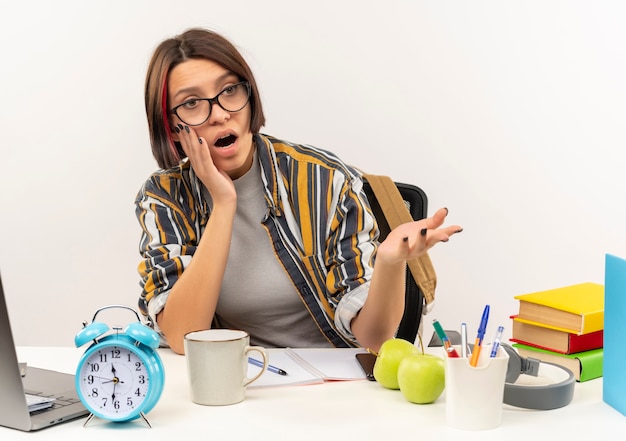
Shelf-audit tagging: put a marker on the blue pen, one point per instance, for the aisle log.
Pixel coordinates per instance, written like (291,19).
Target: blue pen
(496,342)
(480,336)
(270,368)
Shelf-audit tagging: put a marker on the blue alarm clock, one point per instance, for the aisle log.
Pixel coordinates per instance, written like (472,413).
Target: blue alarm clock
(120,377)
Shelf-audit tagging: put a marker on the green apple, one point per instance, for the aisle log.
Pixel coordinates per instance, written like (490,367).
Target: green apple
(421,378)
(388,360)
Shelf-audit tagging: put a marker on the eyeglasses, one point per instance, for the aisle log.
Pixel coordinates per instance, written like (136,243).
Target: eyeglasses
(196,111)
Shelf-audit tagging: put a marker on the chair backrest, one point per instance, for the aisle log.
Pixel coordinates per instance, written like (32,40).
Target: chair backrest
(417,202)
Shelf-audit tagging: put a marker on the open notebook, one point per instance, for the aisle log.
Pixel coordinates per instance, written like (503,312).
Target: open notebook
(309,366)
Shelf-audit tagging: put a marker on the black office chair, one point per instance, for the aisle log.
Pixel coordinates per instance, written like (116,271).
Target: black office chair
(417,202)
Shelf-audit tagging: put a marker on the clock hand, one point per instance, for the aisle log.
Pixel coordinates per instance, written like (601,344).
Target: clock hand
(108,380)
(115,381)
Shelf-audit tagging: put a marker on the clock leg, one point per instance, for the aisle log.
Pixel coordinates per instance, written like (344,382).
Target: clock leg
(89,418)
(143,416)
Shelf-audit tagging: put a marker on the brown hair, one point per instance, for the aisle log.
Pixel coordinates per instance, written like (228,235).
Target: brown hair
(191,44)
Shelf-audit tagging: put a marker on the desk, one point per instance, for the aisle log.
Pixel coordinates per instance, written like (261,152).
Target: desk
(351,410)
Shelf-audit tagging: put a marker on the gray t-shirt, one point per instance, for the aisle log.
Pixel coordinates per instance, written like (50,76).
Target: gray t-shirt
(257,296)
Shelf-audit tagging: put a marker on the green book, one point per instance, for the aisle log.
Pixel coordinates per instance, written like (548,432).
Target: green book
(585,365)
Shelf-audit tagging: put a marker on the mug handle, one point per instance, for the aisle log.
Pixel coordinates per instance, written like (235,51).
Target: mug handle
(261,351)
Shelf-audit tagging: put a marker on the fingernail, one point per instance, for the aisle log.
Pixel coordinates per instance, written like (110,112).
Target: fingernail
(180,126)
(177,129)
(200,140)
(447,211)
(445,240)
(424,231)
(459,231)
(187,129)
(405,239)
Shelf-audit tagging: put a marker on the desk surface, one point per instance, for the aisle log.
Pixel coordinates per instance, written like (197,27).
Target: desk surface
(360,410)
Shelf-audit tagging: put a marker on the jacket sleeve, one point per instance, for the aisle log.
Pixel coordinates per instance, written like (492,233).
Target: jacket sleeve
(353,242)
(168,241)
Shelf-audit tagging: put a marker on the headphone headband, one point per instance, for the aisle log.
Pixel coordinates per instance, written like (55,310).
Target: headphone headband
(551,388)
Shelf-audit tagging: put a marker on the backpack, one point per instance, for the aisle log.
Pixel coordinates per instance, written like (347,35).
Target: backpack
(395,203)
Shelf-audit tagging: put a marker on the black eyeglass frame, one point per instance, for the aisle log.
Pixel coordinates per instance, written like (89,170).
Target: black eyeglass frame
(214,100)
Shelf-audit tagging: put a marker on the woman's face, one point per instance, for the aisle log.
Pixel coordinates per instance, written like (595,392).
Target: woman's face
(227,134)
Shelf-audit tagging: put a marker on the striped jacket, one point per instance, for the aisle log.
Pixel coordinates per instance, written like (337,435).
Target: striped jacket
(318,218)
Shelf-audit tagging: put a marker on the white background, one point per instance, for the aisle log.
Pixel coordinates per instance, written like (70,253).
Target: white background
(511,114)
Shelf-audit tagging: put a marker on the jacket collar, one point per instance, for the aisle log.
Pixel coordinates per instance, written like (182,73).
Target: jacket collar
(269,171)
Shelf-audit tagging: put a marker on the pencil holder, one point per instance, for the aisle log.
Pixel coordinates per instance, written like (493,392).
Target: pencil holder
(474,395)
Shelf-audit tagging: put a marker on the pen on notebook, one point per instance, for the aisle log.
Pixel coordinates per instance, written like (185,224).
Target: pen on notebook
(480,336)
(464,340)
(270,368)
(496,342)
(452,353)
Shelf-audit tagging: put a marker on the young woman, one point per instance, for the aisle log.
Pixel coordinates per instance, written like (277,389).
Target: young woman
(245,231)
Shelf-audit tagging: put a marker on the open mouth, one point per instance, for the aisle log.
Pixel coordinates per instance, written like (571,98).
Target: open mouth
(225,141)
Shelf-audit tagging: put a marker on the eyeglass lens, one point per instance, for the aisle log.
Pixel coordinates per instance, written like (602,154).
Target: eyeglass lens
(196,111)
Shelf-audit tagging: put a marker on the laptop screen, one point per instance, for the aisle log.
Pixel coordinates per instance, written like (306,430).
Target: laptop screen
(14,410)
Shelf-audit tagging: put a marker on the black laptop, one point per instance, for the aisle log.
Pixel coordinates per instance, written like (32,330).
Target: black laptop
(32,398)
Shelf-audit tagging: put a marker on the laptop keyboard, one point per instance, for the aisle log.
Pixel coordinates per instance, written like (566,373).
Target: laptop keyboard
(59,400)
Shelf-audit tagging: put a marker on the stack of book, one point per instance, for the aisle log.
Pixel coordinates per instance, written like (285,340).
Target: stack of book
(563,326)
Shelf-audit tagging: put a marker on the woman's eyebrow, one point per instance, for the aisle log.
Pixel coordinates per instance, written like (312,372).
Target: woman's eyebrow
(220,79)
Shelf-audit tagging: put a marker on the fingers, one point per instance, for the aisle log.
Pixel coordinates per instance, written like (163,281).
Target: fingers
(413,239)
(448,232)
(434,232)
(438,218)
(196,149)
(189,140)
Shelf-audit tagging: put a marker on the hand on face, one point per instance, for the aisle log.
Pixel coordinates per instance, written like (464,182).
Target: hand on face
(217,182)
(411,240)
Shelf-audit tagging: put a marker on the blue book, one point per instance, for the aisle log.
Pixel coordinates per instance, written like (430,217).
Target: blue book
(614,374)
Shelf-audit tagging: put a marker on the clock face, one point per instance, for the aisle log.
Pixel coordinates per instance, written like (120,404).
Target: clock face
(114,381)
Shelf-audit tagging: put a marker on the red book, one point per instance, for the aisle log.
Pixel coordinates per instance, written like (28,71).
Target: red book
(552,339)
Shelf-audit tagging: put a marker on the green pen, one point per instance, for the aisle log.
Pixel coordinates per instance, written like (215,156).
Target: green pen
(452,353)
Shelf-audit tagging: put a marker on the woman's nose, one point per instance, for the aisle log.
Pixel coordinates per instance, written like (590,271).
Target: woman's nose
(218,114)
